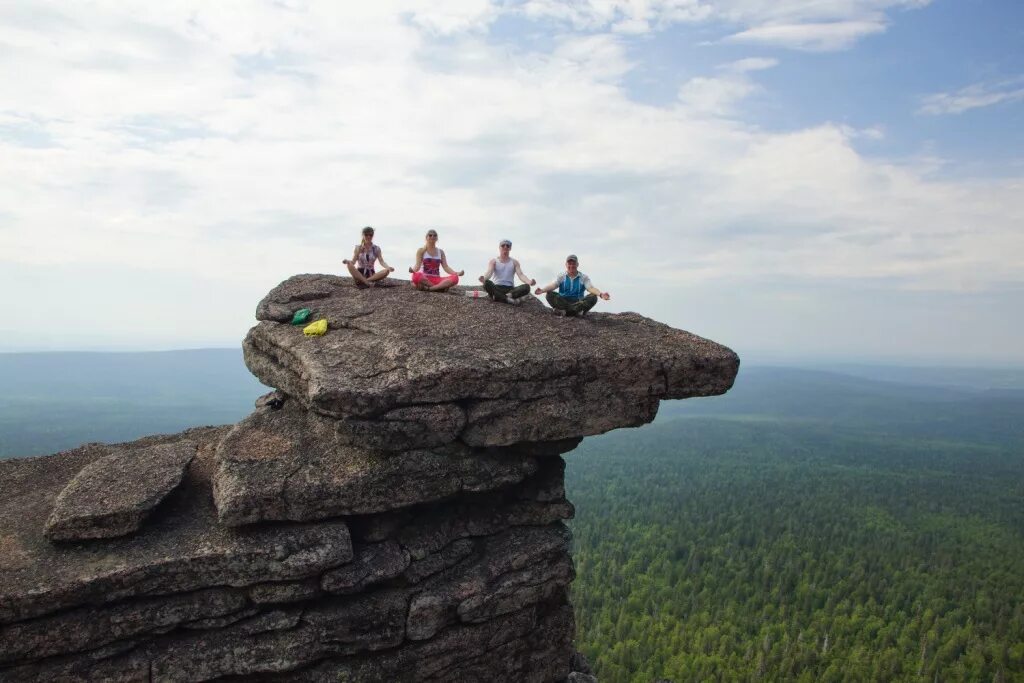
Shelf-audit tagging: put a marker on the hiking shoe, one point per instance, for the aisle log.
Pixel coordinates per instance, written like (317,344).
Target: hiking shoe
(571,312)
(500,298)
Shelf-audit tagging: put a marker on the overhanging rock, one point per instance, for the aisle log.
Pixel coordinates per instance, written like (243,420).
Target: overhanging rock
(513,374)
(394,512)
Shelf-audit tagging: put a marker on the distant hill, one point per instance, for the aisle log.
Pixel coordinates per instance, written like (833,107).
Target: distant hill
(844,402)
(54,401)
(982,378)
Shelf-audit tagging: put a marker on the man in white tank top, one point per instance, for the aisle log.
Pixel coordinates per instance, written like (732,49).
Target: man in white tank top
(499,279)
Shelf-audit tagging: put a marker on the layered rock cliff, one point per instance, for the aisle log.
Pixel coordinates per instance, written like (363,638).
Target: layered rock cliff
(393,512)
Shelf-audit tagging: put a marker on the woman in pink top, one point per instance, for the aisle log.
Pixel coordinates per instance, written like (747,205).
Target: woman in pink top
(426,273)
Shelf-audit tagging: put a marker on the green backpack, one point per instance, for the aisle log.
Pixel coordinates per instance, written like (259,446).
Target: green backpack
(301,316)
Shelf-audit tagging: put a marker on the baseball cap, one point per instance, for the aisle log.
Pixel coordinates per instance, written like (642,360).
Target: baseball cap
(505,243)
(572,257)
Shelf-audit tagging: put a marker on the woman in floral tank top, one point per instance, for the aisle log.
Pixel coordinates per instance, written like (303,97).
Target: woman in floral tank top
(366,254)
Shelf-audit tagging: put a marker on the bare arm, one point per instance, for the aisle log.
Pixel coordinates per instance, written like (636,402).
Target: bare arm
(447,268)
(603,295)
(380,257)
(419,260)
(519,272)
(489,273)
(553,285)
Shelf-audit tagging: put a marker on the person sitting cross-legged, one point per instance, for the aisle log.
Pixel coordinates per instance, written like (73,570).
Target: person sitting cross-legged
(499,280)
(361,265)
(430,260)
(571,285)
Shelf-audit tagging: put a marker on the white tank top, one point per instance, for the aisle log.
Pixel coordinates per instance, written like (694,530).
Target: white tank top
(504,273)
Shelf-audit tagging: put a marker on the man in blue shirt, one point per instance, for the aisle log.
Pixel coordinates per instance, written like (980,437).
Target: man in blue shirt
(571,285)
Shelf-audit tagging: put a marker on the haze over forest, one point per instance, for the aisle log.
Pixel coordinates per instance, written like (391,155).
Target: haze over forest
(832,188)
(811,524)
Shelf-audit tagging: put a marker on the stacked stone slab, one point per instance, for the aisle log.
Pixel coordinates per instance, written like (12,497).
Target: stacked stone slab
(393,512)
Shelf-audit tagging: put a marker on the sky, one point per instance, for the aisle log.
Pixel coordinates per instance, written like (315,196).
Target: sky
(796,179)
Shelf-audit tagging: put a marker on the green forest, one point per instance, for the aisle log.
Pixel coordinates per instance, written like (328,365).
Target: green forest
(758,547)
(808,525)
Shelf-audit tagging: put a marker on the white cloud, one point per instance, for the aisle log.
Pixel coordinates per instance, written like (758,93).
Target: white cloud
(720,96)
(454,16)
(755,12)
(240,148)
(814,37)
(819,25)
(973,97)
(750,64)
(623,16)
(714,96)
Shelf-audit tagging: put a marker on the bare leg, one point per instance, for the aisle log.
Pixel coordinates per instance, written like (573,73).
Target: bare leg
(444,284)
(379,275)
(356,275)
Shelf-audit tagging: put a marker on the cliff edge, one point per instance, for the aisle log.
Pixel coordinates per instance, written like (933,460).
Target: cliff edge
(393,512)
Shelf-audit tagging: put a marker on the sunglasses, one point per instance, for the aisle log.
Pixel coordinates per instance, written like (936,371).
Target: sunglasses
(431,234)
(506,244)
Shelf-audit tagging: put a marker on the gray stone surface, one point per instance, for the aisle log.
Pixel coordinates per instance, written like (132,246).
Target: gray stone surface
(423,529)
(285,591)
(336,627)
(281,640)
(518,567)
(393,512)
(579,663)
(221,622)
(113,495)
(394,347)
(92,627)
(405,428)
(448,556)
(86,668)
(181,549)
(373,563)
(469,520)
(289,464)
(532,646)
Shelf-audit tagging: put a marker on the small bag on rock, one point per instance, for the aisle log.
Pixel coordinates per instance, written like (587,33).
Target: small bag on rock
(316,329)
